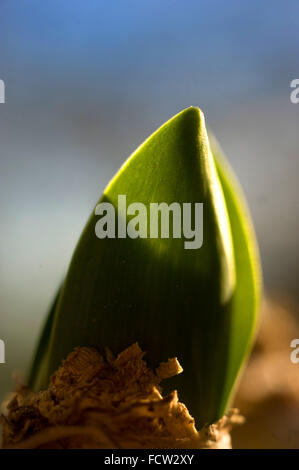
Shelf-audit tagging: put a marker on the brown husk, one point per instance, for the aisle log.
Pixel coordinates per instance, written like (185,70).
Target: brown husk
(114,403)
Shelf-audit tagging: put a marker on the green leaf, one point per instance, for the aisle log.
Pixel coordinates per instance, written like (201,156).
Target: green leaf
(37,369)
(246,298)
(197,304)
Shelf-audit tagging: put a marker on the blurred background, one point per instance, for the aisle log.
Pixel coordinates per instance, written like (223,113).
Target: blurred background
(88,81)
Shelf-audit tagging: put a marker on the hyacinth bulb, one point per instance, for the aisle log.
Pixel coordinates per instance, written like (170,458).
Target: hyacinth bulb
(199,304)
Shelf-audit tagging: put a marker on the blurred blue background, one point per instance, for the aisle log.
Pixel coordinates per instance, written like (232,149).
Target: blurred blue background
(88,81)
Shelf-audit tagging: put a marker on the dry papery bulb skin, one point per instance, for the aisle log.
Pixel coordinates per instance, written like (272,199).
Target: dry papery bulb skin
(108,402)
